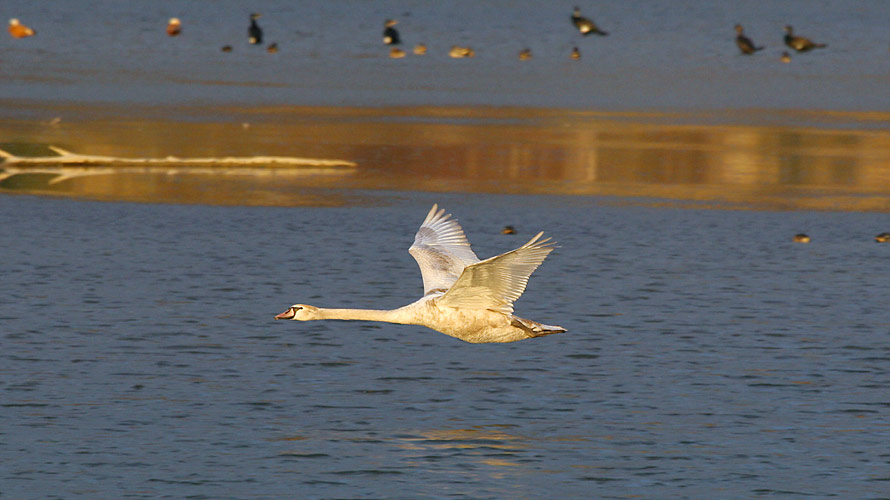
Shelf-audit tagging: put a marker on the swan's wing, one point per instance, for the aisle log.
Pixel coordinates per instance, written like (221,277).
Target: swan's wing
(497,282)
(441,250)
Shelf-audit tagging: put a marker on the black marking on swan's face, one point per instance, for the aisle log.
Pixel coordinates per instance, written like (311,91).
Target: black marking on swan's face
(290,313)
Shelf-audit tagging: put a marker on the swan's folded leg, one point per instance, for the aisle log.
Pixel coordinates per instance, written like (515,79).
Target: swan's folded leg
(535,329)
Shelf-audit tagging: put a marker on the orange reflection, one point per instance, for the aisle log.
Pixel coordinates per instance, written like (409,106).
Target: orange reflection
(479,150)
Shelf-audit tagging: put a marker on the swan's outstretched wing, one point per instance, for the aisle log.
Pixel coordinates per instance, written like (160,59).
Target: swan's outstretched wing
(441,250)
(497,282)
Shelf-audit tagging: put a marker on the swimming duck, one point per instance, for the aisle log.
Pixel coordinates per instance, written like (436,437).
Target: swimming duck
(525,54)
(799,43)
(254,32)
(174,26)
(459,52)
(584,25)
(801,238)
(396,53)
(226,48)
(786,57)
(272,48)
(19,30)
(420,49)
(390,35)
(883,238)
(508,230)
(576,54)
(745,44)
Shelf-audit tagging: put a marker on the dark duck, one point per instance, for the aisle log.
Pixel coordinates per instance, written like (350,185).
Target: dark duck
(799,43)
(745,44)
(254,32)
(584,25)
(390,35)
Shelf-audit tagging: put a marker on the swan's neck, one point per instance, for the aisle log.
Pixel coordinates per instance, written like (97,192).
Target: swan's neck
(388,316)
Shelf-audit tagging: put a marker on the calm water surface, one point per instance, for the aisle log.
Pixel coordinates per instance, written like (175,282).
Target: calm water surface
(707,356)
(659,55)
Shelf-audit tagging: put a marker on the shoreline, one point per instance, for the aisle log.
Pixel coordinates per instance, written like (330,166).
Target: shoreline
(38,110)
(713,160)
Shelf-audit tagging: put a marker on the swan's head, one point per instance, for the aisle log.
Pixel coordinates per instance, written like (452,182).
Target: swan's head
(299,312)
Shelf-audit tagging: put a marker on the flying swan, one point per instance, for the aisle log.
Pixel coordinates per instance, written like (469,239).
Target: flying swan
(463,296)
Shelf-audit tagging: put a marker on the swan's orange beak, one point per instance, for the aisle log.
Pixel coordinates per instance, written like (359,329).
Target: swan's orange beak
(290,313)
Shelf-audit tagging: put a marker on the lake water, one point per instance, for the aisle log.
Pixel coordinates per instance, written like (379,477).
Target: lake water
(674,55)
(707,356)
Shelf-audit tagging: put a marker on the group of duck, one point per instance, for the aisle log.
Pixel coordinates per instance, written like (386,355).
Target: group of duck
(391,37)
(797,43)
(805,238)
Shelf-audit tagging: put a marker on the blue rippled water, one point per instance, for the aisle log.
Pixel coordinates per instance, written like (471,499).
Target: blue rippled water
(707,356)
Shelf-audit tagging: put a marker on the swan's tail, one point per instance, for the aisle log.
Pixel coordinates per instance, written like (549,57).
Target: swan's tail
(535,329)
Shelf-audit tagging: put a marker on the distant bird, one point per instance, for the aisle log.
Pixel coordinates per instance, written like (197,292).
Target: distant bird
(19,30)
(745,44)
(525,54)
(801,238)
(396,53)
(254,32)
(463,297)
(883,238)
(272,48)
(508,230)
(226,48)
(786,57)
(390,35)
(459,52)
(585,25)
(174,26)
(420,49)
(799,43)
(576,54)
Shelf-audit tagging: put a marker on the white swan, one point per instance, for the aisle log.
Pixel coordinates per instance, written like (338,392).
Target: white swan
(462,296)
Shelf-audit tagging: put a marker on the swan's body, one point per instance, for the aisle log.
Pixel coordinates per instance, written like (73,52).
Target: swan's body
(463,297)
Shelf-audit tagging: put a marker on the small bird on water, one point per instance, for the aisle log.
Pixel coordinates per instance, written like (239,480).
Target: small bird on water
(19,30)
(174,26)
(584,25)
(254,32)
(390,35)
(801,238)
(525,54)
(744,43)
(463,297)
(396,53)
(799,43)
(458,52)
(883,238)
(575,55)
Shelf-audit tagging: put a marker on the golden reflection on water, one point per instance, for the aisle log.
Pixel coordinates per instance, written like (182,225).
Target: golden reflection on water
(488,150)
